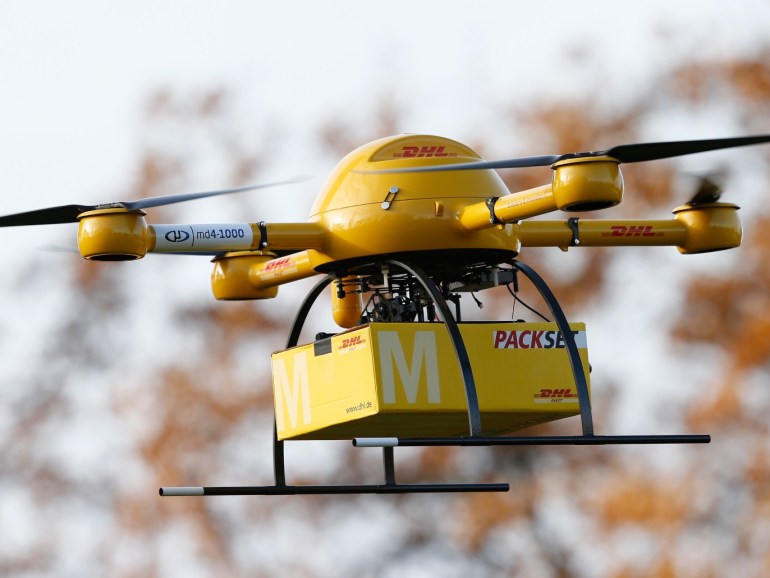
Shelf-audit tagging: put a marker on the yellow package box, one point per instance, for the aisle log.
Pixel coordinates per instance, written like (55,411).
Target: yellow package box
(404,380)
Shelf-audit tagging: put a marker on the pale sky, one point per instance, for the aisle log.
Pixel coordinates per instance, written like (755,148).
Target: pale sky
(75,75)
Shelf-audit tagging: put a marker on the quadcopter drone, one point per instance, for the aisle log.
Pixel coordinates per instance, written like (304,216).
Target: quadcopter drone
(403,226)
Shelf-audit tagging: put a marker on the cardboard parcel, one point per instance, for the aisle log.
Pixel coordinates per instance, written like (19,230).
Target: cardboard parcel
(404,380)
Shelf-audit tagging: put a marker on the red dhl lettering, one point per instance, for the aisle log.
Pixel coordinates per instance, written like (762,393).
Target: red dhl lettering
(632,231)
(555,394)
(277,263)
(424,151)
(529,339)
(351,341)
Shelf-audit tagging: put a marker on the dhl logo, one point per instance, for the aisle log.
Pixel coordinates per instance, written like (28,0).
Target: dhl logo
(632,231)
(425,151)
(277,264)
(564,395)
(351,342)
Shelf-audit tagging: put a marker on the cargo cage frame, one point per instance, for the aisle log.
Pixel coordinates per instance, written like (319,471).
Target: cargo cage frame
(474,437)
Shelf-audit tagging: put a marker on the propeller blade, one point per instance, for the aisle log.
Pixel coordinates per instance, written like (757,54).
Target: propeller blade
(150,202)
(71,213)
(51,248)
(521,162)
(629,153)
(709,189)
(635,153)
(49,216)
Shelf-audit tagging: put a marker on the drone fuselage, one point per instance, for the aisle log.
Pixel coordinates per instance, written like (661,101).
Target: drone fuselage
(378,202)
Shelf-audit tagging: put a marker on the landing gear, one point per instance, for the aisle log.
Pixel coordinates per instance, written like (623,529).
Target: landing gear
(407,293)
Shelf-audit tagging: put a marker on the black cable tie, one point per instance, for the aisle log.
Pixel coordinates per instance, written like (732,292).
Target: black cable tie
(572,223)
(262,234)
(490,203)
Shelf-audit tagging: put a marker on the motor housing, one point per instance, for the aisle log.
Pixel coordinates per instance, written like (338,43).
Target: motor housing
(230,277)
(113,234)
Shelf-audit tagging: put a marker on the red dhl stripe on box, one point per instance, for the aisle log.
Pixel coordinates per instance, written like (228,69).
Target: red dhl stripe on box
(559,395)
(535,339)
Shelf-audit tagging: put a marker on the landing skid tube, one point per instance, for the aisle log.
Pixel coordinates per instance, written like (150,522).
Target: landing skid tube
(333,490)
(475,438)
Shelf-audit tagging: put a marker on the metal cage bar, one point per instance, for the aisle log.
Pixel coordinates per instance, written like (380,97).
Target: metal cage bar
(578,372)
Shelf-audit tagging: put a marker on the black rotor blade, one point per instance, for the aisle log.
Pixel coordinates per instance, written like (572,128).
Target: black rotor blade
(71,213)
(521,162)
(51,248)
(629,153)
(49,216)
(709,189)
(149,202)
(635,153)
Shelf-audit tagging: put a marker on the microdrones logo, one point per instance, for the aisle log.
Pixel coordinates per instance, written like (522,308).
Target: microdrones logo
(177,236)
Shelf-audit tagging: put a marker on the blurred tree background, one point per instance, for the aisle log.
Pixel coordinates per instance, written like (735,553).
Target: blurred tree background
(143,380)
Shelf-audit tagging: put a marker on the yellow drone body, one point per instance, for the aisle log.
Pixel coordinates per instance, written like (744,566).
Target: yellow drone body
(428,198)
(365,213)
(373,204)
(393,197)
(378,201)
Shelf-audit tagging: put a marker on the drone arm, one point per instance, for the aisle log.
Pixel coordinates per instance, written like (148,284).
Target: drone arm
(509,208)
(291,236)
(225,237)
(268,274)
(257,274)
(601,233)
(577,185)
(699,229)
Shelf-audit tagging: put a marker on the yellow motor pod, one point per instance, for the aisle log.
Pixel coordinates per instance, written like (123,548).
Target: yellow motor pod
(346,306)
(112,235)
(587,184)
(230,277)
(710,227)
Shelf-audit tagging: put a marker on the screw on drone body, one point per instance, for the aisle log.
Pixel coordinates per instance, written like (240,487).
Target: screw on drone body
(389,198)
